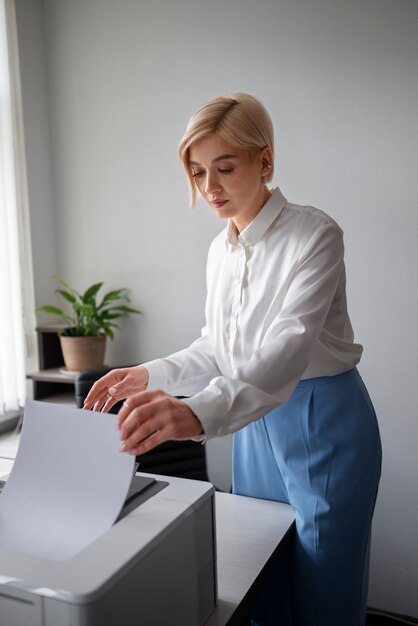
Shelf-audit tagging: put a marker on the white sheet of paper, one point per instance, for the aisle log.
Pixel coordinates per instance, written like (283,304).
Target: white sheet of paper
(68,482)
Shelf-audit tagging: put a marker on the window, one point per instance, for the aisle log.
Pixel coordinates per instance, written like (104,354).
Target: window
(16,286)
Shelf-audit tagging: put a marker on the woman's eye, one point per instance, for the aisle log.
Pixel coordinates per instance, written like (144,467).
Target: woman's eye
(226,170)
(197,174)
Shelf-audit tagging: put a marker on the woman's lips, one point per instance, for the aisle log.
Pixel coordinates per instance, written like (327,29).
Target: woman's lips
(218,204)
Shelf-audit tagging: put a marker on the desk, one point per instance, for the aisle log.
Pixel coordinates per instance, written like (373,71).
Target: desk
(9,443)
(248,530)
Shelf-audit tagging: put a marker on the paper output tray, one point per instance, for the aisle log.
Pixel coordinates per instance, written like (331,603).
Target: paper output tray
(142,488)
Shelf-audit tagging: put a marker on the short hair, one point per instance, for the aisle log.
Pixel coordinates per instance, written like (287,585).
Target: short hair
(240,119)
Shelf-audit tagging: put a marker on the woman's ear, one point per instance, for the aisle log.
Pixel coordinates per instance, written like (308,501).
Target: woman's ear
(266,161)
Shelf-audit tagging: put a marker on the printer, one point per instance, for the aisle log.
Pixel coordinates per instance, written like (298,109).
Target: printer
(156,566)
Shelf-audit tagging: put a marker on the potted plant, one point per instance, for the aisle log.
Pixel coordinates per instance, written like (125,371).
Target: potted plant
(83,339)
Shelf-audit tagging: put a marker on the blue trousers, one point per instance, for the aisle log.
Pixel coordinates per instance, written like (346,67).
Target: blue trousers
(320,452)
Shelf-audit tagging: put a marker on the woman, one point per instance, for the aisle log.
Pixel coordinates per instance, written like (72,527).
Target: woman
(275,365)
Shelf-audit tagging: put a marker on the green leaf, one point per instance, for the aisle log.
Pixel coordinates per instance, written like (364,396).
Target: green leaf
(129,309)
(108,331)
(110,316)
(117,294)
(54,310)
(67,287)
(91,292)
(66,295)
(122,310)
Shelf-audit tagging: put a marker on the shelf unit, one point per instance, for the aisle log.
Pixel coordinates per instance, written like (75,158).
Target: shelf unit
(50,382)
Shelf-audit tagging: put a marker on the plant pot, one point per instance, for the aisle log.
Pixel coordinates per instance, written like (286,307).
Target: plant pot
(83,353)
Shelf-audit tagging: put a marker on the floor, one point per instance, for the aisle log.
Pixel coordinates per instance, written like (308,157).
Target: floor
(376,618)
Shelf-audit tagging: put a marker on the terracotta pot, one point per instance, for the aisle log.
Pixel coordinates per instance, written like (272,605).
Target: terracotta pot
(83,353)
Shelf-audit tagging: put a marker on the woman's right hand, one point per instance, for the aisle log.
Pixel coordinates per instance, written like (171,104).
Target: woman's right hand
(116,385)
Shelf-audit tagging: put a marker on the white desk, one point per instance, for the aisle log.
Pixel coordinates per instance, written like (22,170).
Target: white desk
(9,443)
(248,532)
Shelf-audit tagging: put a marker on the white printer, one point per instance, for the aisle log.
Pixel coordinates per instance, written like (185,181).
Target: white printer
(155,567)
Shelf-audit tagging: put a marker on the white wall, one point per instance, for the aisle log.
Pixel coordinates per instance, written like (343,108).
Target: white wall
(340,78)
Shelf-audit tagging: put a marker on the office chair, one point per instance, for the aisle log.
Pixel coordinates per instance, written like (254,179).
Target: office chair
(184,459)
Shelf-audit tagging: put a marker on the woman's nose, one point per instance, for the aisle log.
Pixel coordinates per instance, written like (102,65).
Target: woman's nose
(212,183)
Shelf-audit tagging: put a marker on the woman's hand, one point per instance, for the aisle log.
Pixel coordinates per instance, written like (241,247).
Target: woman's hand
(149,418)
(116,385)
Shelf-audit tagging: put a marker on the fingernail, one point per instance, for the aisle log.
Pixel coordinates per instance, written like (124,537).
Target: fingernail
(122,448)
(112,391)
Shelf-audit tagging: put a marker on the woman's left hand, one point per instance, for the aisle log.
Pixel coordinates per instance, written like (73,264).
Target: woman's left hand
(149,418)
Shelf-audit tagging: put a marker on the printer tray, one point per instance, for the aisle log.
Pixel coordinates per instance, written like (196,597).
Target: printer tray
(142,488)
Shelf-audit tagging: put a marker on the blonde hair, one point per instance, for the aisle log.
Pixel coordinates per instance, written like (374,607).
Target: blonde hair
(240,119)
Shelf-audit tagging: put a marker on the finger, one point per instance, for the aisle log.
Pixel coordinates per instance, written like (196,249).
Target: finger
(118,384)
(105,402)
(154,440)
(111,384)
(124,411)
(147,432)
(139,424)
(95,402)
(112,397)
(142,421)
(156,414)
(98,391)
(109,404)
(135,401)
(98,404)
(165,411)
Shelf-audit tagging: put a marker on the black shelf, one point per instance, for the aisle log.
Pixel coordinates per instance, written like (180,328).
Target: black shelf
(51,380)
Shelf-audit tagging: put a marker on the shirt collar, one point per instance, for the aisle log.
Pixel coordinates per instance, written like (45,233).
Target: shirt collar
(260,224)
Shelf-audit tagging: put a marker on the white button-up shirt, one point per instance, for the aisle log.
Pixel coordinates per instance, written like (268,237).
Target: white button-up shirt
(276,312)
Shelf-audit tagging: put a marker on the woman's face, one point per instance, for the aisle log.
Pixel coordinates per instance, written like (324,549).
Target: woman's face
(230,180)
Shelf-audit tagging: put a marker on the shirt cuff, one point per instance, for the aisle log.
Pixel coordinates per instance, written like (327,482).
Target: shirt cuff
(209,407)
(156,374)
